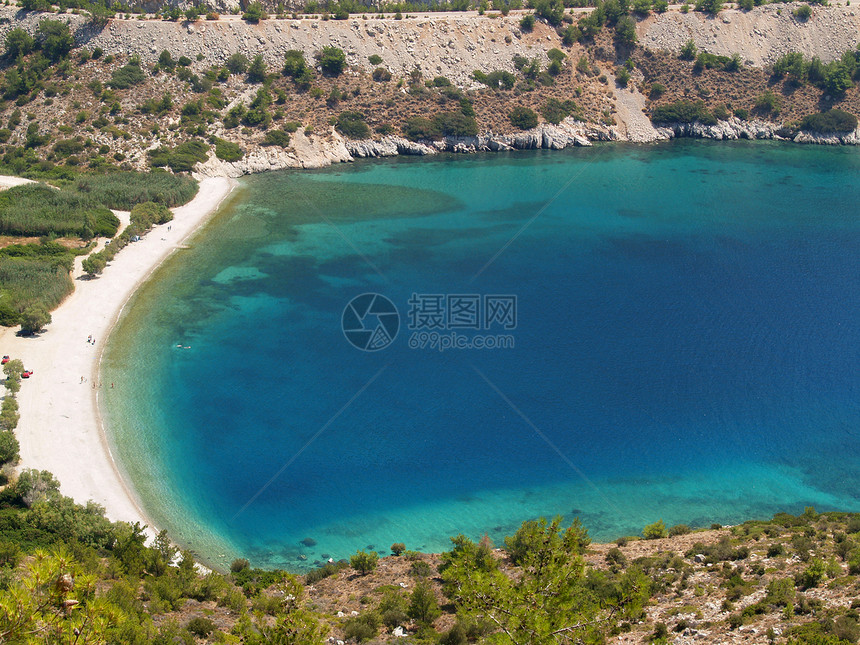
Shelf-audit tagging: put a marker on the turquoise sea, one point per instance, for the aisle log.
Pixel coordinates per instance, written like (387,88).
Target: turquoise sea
(686,348)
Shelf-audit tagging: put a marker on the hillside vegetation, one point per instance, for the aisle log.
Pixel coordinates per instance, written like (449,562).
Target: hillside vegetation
(67,574)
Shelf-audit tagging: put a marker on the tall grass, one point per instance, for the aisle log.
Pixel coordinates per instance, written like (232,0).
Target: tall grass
(27,281)
(123,190)
(35,209)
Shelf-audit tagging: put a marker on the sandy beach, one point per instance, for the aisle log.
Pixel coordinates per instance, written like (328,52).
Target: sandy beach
(60,428)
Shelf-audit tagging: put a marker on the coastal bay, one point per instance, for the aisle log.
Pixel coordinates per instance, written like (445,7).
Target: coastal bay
(681,383)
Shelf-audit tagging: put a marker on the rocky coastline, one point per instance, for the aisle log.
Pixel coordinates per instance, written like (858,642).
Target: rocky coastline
(319,152)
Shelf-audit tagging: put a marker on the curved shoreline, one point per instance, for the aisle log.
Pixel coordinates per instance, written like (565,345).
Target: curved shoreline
(61,429)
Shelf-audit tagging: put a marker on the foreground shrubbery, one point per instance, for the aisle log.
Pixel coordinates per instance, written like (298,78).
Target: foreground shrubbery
(537,589)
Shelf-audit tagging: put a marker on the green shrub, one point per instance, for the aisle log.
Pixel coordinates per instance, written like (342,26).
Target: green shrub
(277,138)
(227,150)
(182,158)
(555,111)
(374,59)
(679,529)
(496,80)
(682,111)
(803,12)
(625,30)
(422,603)
(332,60)
(527,22)
(655,531)
(688,50)
(812,575)
(200,627)
(352,125)
(295,64)
(144,216)
(831,121)
(523,118)
(255,13)
(780,592)
(397,548)
(328,569)
(419,127)
(657,90)
(126,76)
(361,628)
(34,279)
(237,63)
(364,562)
(9,446)
(455,124)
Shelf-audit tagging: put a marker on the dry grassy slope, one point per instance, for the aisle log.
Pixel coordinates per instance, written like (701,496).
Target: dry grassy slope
(691,602)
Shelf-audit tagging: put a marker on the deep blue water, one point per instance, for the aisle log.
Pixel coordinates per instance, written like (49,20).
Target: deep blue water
(686,348)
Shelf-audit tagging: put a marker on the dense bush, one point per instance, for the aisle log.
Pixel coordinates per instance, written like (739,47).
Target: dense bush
(655,531)
(497,80)
(227,150)
(830,121)
(36,209)
(682,112)
(803,12)
(182,158)
(555,111)
(527,22)
(352,125)
(255,13)
(364,562)
(237,63)
(126,76)
(276,138)
(332,60)
(123,190)
(523,118)
(455,124)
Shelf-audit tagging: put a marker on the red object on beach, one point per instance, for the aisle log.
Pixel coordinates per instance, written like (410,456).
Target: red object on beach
(5,360)
(26,374)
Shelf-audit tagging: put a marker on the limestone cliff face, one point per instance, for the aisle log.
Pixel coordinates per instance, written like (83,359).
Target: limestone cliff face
(760,36)
(734,129)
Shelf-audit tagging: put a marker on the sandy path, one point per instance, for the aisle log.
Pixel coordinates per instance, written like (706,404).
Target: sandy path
(60,429)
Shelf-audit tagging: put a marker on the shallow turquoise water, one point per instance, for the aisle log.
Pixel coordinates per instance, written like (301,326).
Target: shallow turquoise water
(686,348)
